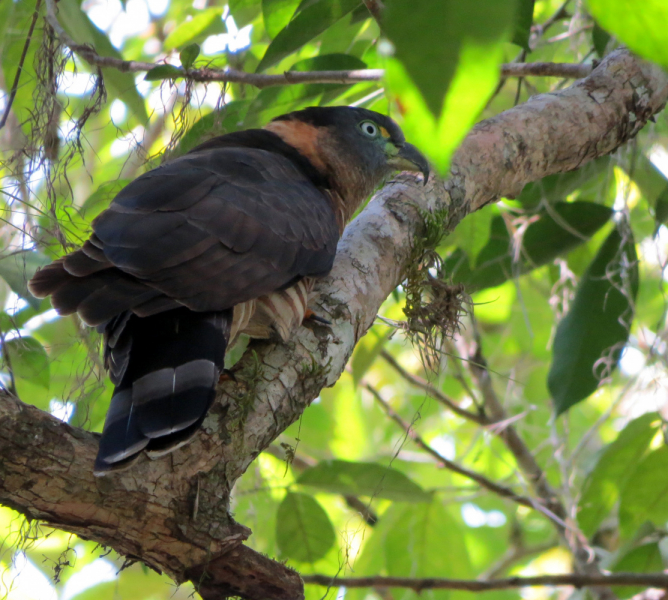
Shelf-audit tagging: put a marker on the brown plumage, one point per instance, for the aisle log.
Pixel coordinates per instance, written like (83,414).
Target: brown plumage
(223,240)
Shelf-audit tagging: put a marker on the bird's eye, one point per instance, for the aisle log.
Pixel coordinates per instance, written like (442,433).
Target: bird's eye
(369,129)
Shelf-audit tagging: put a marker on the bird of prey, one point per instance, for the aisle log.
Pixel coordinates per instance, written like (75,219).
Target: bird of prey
(223,240)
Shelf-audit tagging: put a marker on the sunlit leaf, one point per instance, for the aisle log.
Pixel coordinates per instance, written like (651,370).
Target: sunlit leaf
(615,465)
(414,547)
(366,352)
(303,530)
(28,360)
(364,479)
(642,27)
(309,23)
(277,14)
(590,338)
(206,22)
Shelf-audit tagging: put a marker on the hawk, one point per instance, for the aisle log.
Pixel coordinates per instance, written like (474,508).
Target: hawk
(224,240)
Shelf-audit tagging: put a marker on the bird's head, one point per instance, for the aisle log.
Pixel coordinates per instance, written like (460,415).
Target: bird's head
(355,148)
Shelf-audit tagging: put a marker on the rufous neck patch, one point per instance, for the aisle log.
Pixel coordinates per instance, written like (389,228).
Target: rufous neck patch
(303,137)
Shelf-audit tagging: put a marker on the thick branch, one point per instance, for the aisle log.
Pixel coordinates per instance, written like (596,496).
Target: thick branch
(148,511)
(655,580)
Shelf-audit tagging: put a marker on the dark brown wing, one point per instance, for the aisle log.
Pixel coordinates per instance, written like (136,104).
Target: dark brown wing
(209,230)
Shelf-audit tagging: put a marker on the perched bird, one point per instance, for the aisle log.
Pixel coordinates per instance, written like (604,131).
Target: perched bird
(221,241)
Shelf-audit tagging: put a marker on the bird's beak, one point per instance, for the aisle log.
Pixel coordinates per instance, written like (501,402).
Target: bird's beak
(408,158)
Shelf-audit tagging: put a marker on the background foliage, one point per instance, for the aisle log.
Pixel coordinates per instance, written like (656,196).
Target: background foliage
(563,280)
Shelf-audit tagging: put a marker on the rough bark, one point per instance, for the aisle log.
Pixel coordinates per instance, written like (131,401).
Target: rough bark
(172,513)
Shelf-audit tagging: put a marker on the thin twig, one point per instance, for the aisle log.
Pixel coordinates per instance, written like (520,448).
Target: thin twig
(19,68)
(260,80)
(654,580)
(448,464)
(432,391)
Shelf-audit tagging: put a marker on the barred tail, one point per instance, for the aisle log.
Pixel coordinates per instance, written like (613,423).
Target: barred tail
(165,368)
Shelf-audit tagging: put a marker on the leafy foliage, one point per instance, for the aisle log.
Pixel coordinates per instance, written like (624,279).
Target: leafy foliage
(566,279)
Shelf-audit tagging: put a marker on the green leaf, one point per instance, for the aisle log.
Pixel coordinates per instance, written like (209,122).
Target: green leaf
(164,72)
(414,547)
(472,234)
(28,360)
(644,495)
(306,25)
(447,31)
(18,268)
(642,27)
(523,22)
(590,338)
(119,84)
(557,230)
(205,23)
(362,479)
(466,41)
(600,37)
(277,14)
(303,530)
(615,465)
(643,559)
(188,55)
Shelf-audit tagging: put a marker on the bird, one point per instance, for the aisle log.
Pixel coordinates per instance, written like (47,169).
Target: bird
(223,240)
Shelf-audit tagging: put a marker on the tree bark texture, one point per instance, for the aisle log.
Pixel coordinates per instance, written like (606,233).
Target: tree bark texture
(172,513)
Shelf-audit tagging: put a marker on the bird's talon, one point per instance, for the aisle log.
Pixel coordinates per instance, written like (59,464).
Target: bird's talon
(226,375)
(309,315)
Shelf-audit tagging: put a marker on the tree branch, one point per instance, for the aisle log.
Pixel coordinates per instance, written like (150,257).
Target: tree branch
(148,512)
(655,580)
(481,480)
(261,80)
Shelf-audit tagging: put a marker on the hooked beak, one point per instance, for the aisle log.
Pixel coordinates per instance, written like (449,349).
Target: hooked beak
(409,158)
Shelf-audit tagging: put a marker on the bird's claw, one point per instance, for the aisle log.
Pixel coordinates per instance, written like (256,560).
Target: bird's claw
(309,315)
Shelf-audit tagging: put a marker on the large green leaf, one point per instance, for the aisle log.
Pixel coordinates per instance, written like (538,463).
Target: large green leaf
(277,14)
(555,232)
(615,465)
(17,269)
(119,84)
(306,25)
(28,360)
(362,479)
(642,27)
(445,67)
(303,530)
(644,495)
(590,338)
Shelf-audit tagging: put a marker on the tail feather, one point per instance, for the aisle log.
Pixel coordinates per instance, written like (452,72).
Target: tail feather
(167,385)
